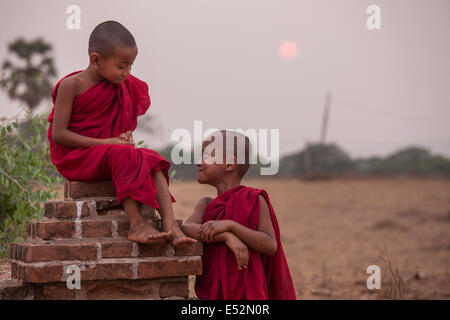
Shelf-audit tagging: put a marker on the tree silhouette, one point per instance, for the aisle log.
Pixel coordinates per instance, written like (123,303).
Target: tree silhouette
(409,161)
(317,159)
(30,81)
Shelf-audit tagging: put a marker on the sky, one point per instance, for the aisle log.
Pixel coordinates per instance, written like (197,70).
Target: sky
(268,65)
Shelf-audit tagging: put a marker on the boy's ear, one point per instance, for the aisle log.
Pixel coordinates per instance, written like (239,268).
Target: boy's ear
(231,164)
(94,59)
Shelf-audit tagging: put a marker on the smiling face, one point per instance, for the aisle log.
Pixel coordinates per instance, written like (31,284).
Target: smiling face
(208,171)
(221,160)
(116,67)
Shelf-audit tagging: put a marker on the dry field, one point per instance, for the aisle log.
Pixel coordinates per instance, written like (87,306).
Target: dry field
(333,230)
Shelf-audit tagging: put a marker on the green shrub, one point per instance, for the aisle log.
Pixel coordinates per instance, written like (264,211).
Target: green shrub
(27,176)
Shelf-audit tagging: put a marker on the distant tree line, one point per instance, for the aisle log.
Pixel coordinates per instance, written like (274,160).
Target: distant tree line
(332,160)
(320,161)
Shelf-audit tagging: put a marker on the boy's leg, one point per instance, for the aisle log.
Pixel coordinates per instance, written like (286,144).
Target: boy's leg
(169,223)
(140,230)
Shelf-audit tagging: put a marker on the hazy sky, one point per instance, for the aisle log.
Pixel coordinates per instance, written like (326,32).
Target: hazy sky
(219,62)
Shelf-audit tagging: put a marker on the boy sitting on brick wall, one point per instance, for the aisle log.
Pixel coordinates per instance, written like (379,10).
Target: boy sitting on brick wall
(243,256)
(91,134)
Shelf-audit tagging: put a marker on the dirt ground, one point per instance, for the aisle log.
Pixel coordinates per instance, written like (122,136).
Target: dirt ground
(333,230)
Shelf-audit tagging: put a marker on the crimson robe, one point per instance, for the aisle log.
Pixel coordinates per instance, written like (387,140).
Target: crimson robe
(266,277)
(106,110)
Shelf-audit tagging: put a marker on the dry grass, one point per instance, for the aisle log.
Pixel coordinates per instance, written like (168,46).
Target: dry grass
(5,269)
(394,287)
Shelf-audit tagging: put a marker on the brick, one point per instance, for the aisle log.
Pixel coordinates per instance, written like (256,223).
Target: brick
(65,209)
(117,249)
(163,267)
(16,251)
(178,288)
(44,272)
(40,272)
(47,230)
(105,203)
(154,250)
(79,189)
(103,206)
(110,206)
(55,291)
(31,230)
(108,270)
(120,248)
(96,228)
(101,290)
(193,250)
(39,252)
(113,213)
(122,228)
(122,289)
(139,289)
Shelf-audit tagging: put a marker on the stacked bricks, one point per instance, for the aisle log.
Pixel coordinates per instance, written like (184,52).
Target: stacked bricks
(88,231)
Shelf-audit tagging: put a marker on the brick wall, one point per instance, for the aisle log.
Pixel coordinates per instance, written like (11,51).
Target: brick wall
(88,229)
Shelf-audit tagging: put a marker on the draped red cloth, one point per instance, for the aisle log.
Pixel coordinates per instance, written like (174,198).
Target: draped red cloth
(266,277)
(106,110)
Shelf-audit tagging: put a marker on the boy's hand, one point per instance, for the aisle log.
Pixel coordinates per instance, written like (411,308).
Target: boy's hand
(127,136)
(239,249)
(118,141)
(207,230)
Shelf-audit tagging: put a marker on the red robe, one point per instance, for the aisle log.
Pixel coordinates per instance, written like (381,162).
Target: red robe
(106,110)
(266,277)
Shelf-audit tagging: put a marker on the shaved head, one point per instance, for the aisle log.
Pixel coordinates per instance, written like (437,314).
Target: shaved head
(241,148)
(109,35)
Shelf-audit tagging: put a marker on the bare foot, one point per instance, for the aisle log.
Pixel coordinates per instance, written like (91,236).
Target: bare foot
(178,238)
(144,233)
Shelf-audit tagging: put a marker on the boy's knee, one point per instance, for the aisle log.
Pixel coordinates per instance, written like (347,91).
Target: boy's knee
(118,149)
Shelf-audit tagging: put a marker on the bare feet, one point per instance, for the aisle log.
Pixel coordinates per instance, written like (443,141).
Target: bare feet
(178,238)
(144,233)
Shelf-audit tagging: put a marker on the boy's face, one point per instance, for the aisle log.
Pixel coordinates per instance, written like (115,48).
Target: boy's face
(117,67)
(207,172)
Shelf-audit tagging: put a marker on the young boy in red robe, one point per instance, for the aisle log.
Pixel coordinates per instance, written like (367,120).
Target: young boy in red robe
(243,257)
(95,112)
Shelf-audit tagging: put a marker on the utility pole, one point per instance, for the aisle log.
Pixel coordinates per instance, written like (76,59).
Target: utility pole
(323,131)
(326,112)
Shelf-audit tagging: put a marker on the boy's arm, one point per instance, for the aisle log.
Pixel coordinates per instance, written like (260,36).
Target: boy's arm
(61,117)
(262,240)
(192,224)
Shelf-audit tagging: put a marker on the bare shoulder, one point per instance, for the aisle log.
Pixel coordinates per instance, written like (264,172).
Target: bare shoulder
(201,205)
(263,203)
(199,210)
(68,87)
(204,201)
(265,220)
